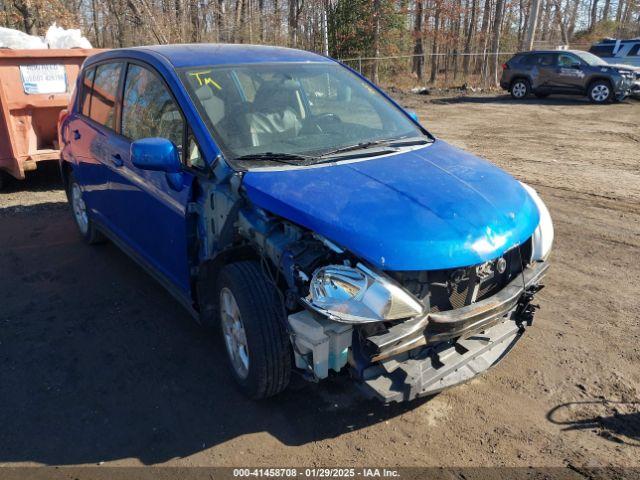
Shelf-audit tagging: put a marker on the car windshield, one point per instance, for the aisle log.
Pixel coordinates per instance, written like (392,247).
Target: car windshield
(591,59)
(296,113)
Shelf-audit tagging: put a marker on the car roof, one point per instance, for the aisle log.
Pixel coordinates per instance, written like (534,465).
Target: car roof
(612,41)
(553,51)
(200,54)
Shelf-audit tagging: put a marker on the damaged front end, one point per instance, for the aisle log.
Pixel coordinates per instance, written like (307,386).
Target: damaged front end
(401,311)
(395,359)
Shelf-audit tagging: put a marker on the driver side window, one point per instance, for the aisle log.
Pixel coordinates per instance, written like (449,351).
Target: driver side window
(148,109)
(565,60)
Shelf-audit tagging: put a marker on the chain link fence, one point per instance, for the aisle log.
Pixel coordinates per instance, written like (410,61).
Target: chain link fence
(442,70)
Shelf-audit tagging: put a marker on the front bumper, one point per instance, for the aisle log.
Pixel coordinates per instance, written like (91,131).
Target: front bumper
(434,369)
(425,355)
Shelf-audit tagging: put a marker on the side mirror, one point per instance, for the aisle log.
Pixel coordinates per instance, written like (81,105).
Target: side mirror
(413,115)
(158,154)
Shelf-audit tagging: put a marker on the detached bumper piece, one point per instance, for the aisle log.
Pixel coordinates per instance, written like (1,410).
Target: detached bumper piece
(436,368)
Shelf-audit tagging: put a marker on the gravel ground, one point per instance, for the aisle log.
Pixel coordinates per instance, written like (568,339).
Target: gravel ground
(99,364)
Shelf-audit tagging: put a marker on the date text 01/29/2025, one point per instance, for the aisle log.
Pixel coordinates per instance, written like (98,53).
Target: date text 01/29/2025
(316,472)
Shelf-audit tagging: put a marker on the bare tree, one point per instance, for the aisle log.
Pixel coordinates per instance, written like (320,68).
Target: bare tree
(418,50)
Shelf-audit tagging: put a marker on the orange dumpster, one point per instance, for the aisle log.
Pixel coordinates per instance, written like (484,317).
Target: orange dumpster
(35,85)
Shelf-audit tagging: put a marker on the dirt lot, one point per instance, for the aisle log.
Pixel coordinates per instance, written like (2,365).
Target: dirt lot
(99,364)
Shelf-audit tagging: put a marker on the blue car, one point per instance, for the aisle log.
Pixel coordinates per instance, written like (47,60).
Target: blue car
(290,203)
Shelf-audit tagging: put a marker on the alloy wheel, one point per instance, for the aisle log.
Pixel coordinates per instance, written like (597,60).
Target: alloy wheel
(519,89)
(79,209)
(600,93)
(235,337)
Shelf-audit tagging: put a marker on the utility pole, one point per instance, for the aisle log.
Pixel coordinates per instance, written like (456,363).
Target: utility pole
(325,31)
(533,24)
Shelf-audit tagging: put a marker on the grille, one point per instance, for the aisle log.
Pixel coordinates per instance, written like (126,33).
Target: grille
(442,290)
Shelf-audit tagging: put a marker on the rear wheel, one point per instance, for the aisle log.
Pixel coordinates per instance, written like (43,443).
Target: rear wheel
(79,209)
(520,88)
(600,91)
(252,326)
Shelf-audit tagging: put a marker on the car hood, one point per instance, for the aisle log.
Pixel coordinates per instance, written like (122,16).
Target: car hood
(430,208)
(625,66)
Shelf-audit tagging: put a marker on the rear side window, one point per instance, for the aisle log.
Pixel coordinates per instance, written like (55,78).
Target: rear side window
(87,85)
(635,50)
(148,109)
(104,92)
(602,50)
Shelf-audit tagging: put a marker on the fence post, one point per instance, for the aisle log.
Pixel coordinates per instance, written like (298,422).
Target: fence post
(360,65)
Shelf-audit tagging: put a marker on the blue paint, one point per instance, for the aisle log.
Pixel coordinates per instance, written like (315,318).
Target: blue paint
(157,154)
(433,208)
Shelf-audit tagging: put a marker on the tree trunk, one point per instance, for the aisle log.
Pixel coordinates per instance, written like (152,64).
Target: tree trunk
(484,35)
(28,14)
(434,46)
(293,23)
(276,21)
(376,39)
(593,18)
(495,42)
(619,11)
(606,9)
(563,28)
(237,27)
(467,43)
(418,50)
(573,17)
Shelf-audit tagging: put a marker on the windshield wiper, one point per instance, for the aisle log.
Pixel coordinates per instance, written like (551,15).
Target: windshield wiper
(387,142)
(286,158)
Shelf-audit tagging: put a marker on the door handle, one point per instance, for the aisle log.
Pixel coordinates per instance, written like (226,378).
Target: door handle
(76,135)
(117,160)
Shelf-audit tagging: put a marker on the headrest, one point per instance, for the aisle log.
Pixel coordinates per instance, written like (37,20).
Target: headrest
(204,93)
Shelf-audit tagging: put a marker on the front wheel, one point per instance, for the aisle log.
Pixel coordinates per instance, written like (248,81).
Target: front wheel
(520,89)
(600,91)
(252,326)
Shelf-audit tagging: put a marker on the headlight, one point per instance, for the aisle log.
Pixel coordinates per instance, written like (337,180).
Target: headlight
(358,295)
(543,236)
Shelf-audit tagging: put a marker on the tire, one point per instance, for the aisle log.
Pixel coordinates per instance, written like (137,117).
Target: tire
(257,334)
(541,95)
(90,235)
(600,92)
(4,178)
(520,88)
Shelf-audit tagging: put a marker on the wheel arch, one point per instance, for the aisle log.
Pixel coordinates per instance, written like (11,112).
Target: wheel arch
(597,78)
(66,169)
(520,77)
(208,272)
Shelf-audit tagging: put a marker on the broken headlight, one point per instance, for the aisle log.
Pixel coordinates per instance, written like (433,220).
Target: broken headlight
(543,235)
(358,295)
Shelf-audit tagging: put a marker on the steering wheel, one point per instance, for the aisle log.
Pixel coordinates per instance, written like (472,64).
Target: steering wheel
(325,120)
